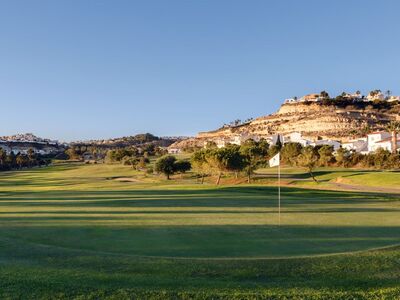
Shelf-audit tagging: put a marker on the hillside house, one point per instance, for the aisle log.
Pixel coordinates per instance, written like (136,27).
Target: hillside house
(240,139)
(393,98)
(174,150)
(296,137)
(357,145)
(375,96)
(355,96)
(335,144)
(290,100)
(272,140)
(221,143)
(374,138)
(387,144)
(310,98)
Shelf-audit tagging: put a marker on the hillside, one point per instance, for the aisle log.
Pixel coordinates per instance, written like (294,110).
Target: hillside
(138,139)
(339,121)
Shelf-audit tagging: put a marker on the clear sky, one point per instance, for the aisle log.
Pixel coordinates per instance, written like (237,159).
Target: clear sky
(98,69)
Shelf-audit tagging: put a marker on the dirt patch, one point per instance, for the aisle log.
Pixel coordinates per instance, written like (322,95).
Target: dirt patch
(123,179)
(340,180)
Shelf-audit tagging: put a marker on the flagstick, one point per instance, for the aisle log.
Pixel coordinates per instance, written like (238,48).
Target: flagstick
(279,193)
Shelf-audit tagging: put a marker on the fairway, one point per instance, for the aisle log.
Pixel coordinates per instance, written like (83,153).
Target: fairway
(191,222)
(74,231)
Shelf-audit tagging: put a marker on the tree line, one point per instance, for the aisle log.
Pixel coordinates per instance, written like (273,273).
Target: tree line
(12,161)
(251,155)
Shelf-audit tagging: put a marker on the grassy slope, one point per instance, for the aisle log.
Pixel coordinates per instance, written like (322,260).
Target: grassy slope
(370,178)
(68,231)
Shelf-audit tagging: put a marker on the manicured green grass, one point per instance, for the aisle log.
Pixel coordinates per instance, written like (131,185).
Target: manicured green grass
(73,231)
(380,179)
(369,178)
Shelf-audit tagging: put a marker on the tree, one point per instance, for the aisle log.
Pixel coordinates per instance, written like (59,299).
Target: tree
(182,166)
(130,161)
(72,153)
(166,165)
(324,95)
(199,163)
(325,153)
(3,159)
(142,162)
(264,146)
(21,160)
(278,143)
(254,155)
(227,159)
(374,92)
(11,160)
(290,151)
(342,157)
(308,159)
(381,158)
(31,157)
(394,127)
(235,160)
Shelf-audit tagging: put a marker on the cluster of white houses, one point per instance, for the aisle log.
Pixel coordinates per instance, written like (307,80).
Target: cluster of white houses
(24,149)
(364,145)
(357,96)
(21,143)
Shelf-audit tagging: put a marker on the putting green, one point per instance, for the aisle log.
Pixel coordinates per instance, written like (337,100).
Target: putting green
(191,221)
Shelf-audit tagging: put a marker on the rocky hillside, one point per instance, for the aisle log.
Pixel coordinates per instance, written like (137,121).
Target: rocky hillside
(339,121)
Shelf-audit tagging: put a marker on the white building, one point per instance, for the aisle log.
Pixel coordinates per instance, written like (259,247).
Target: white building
(378,96)
(358,145)
(274,139)
(310,98)
(221,143)
(386,144)
(25,149)
(393,98)
(296,137)
(174,150)
(355,96)
(374,138)
(335,144)
(240,138)
(290,100)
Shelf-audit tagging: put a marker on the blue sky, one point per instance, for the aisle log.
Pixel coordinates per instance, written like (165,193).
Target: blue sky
(97,69)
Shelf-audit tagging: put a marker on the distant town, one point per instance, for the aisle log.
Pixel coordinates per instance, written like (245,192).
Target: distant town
(375,95)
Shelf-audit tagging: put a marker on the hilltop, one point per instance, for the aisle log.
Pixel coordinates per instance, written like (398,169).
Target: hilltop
(26,138)
(338,120)
(126,141)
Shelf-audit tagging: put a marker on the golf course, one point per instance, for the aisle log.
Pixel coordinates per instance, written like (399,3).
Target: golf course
(98,231)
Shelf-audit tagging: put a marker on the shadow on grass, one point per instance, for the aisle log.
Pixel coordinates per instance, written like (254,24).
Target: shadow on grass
(216,197)
(208,241)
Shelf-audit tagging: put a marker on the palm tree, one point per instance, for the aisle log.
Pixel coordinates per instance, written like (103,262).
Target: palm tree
(394,127)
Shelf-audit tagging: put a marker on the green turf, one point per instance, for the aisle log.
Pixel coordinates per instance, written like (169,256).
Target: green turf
(368,178)
(74,231)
